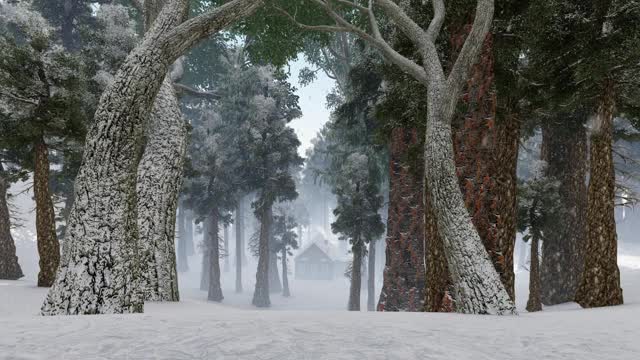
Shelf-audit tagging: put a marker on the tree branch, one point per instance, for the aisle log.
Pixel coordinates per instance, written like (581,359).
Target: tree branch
(438,19)
(19,99)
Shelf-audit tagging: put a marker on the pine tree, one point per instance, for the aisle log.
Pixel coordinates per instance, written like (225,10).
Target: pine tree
(9,267)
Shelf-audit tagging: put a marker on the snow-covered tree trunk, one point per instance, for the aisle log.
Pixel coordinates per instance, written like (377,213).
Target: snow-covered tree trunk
(215,290)
(285,275)
(9,266)
(48,245)
(371,279)
(159,181)
(404,271)
(564,149)
(182,260)
(100,273)
(261,293)
(239,228)
(600,285)
(356,277)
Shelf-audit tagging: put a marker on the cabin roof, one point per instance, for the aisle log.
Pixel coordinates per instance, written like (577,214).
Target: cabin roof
(313,251)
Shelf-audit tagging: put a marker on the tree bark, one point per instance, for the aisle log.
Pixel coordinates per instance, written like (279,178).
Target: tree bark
(205,274)
(101,272)
(274,277)
(183,261)
(371,279)
(600,285)
(356,278)
(285,275)
(188,224)
(239,223)
(565,152)
(534,303)
(404,271)
(48,245)
(158,186)
(215,291)
(261,293)
(226,248)
(438,284)
(9,266)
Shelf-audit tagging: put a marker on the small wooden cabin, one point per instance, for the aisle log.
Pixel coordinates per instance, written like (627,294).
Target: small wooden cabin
(313,263)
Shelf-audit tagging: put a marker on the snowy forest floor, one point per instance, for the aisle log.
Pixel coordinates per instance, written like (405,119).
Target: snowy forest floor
(317,328)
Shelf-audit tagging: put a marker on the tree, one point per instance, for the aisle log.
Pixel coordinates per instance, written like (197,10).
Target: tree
(9,267)
(357,218)
(284,226)
(107,178)
(42,104)
(477,286)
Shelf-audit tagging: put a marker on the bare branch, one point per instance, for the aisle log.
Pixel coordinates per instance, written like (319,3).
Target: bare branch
(19,99)
(182,90)
(322,28)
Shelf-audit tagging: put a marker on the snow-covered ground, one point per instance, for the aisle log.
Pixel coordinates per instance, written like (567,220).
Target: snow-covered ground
(317,329)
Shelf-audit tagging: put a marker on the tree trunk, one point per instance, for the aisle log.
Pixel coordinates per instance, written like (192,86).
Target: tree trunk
(404,271)
(565,151)
(183,261)
(101,272)
(48,245)
(205,274)
(239,223)
(600,285)
(477,286)
(9,266)
(159,182)
(438,285)
(534,303)
(274,277)
(285,275)
(356,278)
(188,225)
(261,293)
(371,279)
(215,291)
(226,248)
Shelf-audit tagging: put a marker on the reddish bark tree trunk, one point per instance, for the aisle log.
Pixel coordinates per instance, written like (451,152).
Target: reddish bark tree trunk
(404,272)
(48,246)
(600,285)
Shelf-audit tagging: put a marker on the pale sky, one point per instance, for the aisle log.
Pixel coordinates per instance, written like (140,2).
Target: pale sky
(313,105)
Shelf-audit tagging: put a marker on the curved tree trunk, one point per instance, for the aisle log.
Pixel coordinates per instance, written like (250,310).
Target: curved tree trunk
(215,291)
(261,293)
(239,223)
(404,271)
(9,266)
(371,279)
(101,272)
(477,287)
(159,182)
(356,278)
(48,245)
(285,275)
(600,285)
(565,152)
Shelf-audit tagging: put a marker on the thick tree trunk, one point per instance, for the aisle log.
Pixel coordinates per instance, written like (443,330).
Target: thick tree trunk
(261,293)
(215,290)
(274,277)
(356,278)
(159,182)
(534,303)
(600,285)
(438,285)
(371,279)
(48,245)
(477,286)
(239,223)
(404,271)
(183,261)
(565,152)
(285,275)
(101,272)
(9,266)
